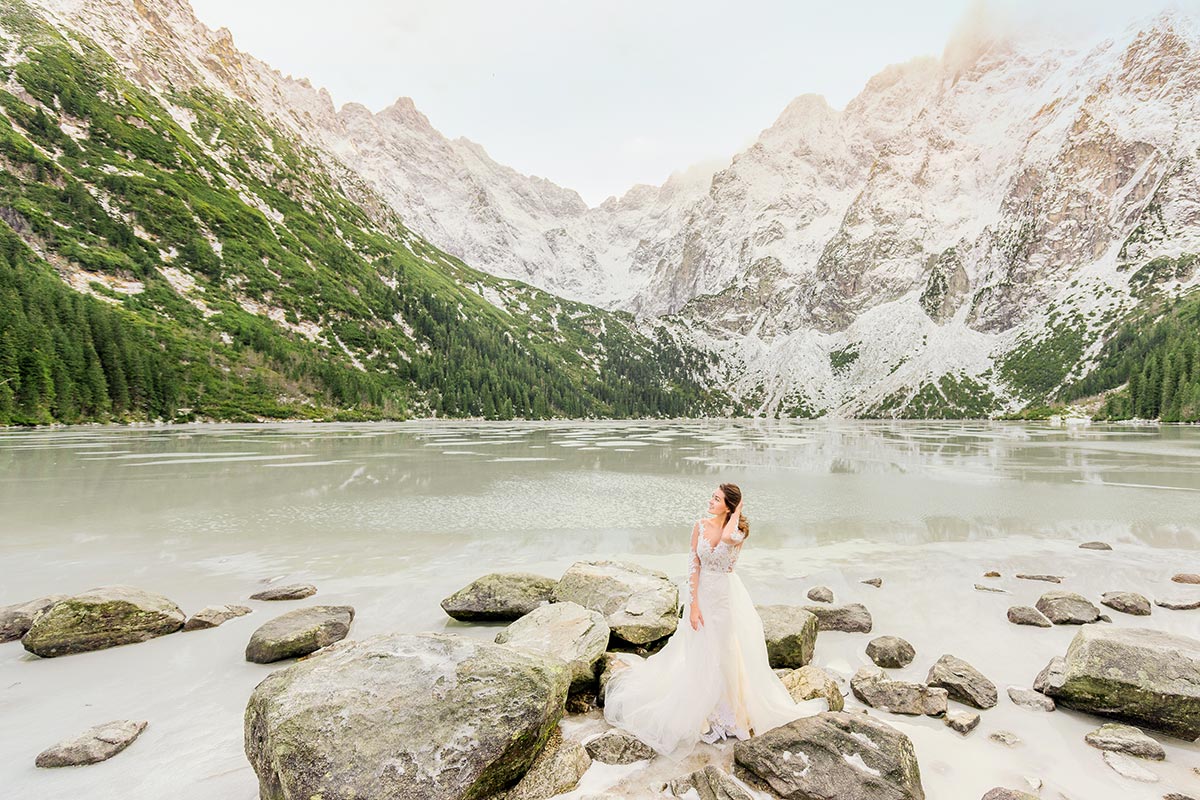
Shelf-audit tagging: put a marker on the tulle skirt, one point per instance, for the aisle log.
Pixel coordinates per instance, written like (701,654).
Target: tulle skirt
(710,683)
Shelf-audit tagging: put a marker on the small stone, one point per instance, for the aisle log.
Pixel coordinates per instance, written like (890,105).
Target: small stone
(1095,546)
(1177,796)
(1008,794)
(1067,608)
(1006,738)
(1046,578)
(1126,739)
(852,618)
(962,721)
(809,682)
(876,582)
(979,587)
(294,592)
(1028,698)
(873,688)
(1028,615)
(1178,605)
(991,574)
(93,745)
(298,633)
(212,616)
(16,619)
(617,747)
(890,651)
(1126,767)
(821,594)
(964,683)
(1186,577)
(1127,603)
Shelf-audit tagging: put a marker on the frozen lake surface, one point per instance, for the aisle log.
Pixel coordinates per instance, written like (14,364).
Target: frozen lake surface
(391,518)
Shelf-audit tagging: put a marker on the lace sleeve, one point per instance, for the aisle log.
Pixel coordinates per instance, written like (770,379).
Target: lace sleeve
(694,567)
(736,537)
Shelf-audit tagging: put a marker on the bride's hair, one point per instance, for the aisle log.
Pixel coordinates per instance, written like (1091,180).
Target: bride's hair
(733,496)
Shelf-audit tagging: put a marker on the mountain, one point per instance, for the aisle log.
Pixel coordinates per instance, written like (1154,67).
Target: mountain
(169,251)
(969,236)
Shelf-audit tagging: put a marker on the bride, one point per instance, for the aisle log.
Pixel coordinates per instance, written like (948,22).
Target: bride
(711,680)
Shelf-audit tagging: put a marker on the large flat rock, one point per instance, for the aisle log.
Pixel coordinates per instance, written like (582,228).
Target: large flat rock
(640,605)
(105,617)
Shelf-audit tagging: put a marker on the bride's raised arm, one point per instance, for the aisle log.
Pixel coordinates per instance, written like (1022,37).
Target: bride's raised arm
(731,526)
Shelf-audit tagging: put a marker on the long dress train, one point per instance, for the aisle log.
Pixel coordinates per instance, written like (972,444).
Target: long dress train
(706,684)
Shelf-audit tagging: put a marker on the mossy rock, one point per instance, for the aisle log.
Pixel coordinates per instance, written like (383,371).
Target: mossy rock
(100,618)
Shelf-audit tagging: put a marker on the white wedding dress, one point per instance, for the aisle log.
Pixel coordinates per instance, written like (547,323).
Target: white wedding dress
(708,684)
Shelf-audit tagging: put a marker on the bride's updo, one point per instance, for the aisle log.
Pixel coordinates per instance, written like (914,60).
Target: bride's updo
(733,496)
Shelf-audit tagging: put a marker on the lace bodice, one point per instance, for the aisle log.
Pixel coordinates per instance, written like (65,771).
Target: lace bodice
(721,558)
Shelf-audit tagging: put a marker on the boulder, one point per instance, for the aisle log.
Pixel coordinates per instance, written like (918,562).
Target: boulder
(16,619)
(1127,603)
(809,682)
(890,651)
(821,594)
(1145,677)
(212,616)
(871,686)
(1067,608)
(791,634)
(709,783)
(100,618)
(640,605)
(962,721)
(93,745)
(1179,605)
(556,770)
(1028,615)
(500,597)
(834,754)
(1127,767)
(298,633)
(1125,739)
(1046,578)
(1095,546)
(852,618)
(618,747)
(567,631)
(297,591)
(428,715)
(963,682)
(1028,698)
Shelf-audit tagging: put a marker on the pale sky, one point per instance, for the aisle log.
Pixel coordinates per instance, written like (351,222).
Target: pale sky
(598,96)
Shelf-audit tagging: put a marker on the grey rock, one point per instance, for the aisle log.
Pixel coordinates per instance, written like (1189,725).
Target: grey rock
(810,682)
(1127,603)
(1006,738)
(1028,615)
(962,721)
(821,594)
(979,587)
(1125,739)
(791,634)
(16,619)
(298,633)
(1046,578)
(1067,608)
(93,745)
(890,651)
(1186,577)
(1179,605)
(963,682)
(831,755)
(991,574)
(1095,546)
(500,597)
(1053,673)
(618,747)
(852,618)
(1177,796)
(710,783)
(556,770)
(385,716)
(1126,767)
(1145,677)
(212,616)
(100,618)
(640,605)
(297,591)
(1028,698)
(567,631)
(871,686)
(876,582)
(1009,794)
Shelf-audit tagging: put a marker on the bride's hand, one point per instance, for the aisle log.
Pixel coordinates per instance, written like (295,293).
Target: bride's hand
(697,619)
